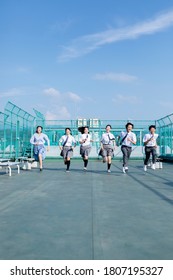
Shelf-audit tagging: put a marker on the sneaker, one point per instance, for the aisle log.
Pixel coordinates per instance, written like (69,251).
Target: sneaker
(109,171)
(145,168)
(85,169)
(124,170)
(67,171)
(41,169)
(153,166)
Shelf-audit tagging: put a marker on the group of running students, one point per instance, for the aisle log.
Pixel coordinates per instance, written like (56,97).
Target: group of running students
(108,144)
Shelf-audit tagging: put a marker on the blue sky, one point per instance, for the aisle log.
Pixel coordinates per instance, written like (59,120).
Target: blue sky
(107,59)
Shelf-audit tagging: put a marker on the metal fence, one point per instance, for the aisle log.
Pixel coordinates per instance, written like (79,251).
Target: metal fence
(165,130)
(17,126)
(55,128)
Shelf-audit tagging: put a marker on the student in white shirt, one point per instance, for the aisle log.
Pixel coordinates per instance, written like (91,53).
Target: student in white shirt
(85,141)
(107,147)
(67,143)
(128,139)
(38,140)
(150,142)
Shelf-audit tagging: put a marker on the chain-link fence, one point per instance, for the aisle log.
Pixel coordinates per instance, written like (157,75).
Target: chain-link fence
(17,126)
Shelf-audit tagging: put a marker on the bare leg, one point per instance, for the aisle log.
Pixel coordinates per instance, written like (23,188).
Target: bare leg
(109,159)
(40,161)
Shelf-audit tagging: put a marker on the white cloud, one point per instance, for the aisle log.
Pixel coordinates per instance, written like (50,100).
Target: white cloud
(120,98)
(52,92)
(62,96)
(88,43)
(53,103)
(64,113)
(61,113)
(120,77)
(74,97)
(11,93)
(59,102)
(50,116)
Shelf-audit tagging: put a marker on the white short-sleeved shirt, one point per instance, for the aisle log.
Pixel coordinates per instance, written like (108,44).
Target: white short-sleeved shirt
(86,137)
(107,138)
(130,135)
(40,139)
(69,142)
(153,141)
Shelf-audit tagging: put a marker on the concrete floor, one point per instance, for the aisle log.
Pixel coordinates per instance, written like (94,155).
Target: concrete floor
(87,215)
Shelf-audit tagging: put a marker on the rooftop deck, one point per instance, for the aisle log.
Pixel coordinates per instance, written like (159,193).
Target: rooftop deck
(87,215)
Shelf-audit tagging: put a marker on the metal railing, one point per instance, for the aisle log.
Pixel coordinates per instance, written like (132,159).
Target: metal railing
(17,126)
(165,130)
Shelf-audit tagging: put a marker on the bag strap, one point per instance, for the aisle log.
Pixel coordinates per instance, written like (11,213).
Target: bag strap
(123,139)
(65,141)
(110,139)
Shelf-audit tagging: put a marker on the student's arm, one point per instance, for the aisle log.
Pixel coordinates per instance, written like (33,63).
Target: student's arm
(114,144)
(101,144)
(48,142)
(121,135)
(117,141)
(156,141)
(91,140)
(32,140)
(81,141)
(74,142)
(60,143)
(113,141)
(133,140)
